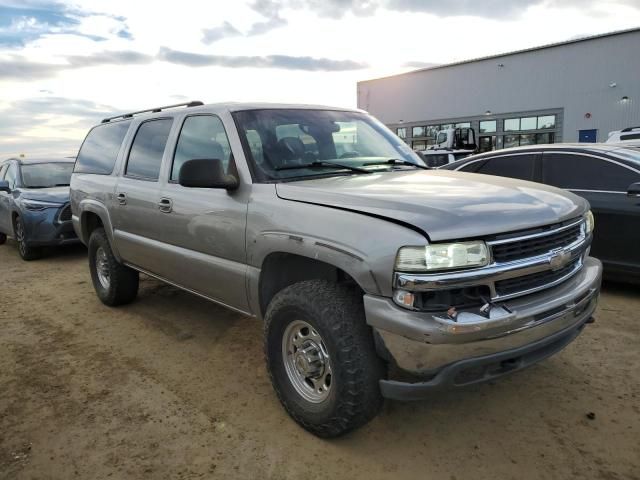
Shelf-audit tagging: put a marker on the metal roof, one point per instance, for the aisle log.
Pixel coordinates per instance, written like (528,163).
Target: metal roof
(515,52)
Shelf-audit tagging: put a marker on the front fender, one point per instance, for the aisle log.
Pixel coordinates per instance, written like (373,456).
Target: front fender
(80,223)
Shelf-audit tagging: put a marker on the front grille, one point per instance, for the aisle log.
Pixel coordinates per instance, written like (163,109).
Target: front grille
(65,214)
(531,247)
(534,281)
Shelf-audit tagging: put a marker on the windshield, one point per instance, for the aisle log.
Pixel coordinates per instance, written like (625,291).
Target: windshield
(281,142)
(45,175)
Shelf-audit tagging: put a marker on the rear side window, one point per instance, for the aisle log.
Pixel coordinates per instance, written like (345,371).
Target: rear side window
(145,156)
(100,149)
(579,172)
(201,137)
(512,166)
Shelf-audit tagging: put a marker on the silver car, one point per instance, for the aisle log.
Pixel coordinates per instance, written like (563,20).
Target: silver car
(375,277)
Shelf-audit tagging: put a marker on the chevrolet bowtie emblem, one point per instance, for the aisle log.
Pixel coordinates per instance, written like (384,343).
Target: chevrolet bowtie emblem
(559,259)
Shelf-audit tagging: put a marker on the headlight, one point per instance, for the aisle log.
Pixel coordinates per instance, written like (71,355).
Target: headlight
(589,222)
(39,204)
(442,256)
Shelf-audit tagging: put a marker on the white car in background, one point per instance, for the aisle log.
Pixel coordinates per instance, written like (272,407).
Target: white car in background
(626,135)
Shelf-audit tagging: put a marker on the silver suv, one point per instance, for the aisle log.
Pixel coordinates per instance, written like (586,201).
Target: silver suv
(374,277)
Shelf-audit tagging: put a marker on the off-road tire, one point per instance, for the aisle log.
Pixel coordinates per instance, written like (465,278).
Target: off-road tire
(3,238)
(337,313)
(26,251)
(123,281)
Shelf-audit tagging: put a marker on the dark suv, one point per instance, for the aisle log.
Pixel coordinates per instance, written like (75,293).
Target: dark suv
(34,204)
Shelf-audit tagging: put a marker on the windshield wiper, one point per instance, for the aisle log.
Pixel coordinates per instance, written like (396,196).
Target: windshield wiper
(397,161)
(323,164)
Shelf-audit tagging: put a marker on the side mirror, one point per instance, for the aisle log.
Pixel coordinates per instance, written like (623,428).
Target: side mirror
(634,190)
(4,186)
(206,173)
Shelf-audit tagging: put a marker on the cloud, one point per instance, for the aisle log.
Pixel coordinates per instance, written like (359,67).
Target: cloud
(29,20)
(123,57)
(210,35)
(19,68)
(270,61)
(47,125)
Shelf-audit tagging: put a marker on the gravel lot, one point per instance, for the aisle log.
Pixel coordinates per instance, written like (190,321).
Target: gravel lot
(175,387)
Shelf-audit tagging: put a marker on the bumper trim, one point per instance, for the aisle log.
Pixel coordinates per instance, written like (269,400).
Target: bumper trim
(484,368)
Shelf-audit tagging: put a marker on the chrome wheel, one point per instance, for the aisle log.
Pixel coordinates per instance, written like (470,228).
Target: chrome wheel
(102,268)
(306,361)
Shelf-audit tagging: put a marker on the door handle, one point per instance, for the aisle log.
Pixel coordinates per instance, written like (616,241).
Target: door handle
(122,198)
(165,205)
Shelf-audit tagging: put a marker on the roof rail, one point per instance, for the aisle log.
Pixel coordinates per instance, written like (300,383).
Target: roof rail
(194,103)
(629,129)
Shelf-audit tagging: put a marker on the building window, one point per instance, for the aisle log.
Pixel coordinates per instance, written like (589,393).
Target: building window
(547,121)
(432,131)
(511,124)
(418,132)
(528,123)
(419,145)
(516,140)
(463,125)
(402,132)
(488,126)
(548,137)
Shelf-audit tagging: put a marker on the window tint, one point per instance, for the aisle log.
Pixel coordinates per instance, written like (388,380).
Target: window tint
(513,166)
(201,137)
(100,149)
(12,175)
(586,173)
(145,156)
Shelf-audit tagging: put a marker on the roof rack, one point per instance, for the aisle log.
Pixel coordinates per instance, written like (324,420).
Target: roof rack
(629,129)
(195,103)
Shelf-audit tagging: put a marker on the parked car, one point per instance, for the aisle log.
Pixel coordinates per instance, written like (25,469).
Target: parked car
(607,175)
(34,204)
(626,135)
(375,277)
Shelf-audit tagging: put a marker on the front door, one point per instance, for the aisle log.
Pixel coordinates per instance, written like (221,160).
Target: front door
(604,184)
(138,228)
(204,230)
(588,136)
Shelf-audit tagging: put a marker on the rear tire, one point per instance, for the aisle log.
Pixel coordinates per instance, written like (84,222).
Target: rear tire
(27,252)
(3,238)
(114,283)
(317,328)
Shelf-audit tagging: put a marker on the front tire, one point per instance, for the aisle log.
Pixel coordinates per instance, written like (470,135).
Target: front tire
(114,283)
(321,357)
(26,252)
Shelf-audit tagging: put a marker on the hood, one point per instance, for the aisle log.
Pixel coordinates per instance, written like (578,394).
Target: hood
(53,194)
(442,204)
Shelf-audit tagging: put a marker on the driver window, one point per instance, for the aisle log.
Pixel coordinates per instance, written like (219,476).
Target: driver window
(201,137)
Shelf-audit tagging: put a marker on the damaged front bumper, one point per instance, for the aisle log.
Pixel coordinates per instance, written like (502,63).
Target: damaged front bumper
(440,352)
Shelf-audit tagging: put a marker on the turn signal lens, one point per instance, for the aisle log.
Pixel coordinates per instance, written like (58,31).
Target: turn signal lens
(590,222)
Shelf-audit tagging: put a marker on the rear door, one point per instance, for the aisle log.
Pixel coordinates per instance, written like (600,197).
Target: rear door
(138,228)
(604,183)
(204,228)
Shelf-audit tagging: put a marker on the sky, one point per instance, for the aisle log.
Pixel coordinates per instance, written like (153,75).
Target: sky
(65,65)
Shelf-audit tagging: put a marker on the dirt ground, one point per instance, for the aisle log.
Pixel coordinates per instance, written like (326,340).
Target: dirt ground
(172,386)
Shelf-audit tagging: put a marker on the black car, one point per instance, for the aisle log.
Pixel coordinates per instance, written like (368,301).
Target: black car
(607,175)
(34,204)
